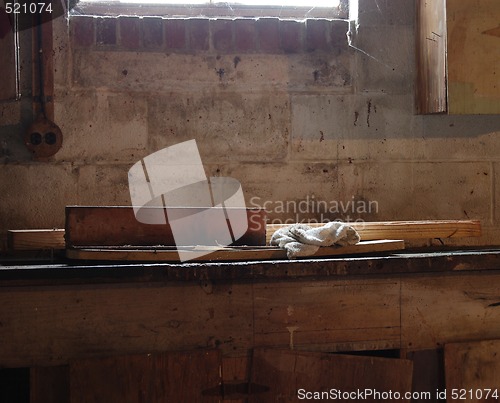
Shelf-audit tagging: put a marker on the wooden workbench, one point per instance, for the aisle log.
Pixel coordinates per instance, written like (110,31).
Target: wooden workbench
(52,314)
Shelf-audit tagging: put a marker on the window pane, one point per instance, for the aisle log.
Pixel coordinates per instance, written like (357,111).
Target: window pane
(278,3)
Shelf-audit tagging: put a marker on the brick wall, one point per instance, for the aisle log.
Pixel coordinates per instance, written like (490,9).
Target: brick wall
(243,35)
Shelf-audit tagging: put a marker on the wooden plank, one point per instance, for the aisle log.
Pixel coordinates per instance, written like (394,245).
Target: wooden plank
(428,373)
(449,308)
(153,378)
(473,56)
(49,384)
(282,375)
(337,315)
(117,226)
(235,378)
(46,326)
(227,254)
(473,367)
(369,231)
(431,56)
(35,239)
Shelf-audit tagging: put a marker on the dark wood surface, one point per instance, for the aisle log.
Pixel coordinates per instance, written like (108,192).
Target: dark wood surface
(431,57)
(279,375)
(153,378)
(117,226)
(473,367)
(31,272)
(49,384)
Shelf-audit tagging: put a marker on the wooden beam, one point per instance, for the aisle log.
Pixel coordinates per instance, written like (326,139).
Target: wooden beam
(279,375)
(49,384)
(227,254)
(193,376)
(431,57)
(473,370)
(35,239)
(404,229)
(117,226)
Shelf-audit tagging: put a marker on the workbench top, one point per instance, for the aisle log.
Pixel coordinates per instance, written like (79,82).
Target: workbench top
(410,262)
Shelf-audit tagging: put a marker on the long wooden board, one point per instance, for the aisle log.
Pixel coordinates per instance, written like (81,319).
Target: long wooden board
(284,375)
(35,239)
(117,226)
(152,378)
(369,231)
(49,384)
(473,368)
(227,254)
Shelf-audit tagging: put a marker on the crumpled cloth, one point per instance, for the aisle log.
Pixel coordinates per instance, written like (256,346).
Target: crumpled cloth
(304,240)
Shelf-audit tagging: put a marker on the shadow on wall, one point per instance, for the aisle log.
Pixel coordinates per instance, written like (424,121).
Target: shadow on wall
(459,126)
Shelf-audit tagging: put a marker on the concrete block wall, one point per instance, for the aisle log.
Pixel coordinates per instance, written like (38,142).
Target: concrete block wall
(292,110)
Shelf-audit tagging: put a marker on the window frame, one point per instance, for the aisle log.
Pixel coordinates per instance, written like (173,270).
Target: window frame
(113,9)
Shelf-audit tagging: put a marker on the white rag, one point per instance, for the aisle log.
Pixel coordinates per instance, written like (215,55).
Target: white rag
(304,240)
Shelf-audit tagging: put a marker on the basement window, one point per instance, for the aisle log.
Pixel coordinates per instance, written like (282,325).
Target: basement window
(284,9)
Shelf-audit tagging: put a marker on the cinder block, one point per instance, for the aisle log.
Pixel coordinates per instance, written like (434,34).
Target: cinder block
(466,137)
(228,126)
(269,35)
(35,195)
(105,31)
(383,116)
(292,36)
(325,73)
(152,33)
(222,35)
(199,34)
(83,31)
(101,127)
(245,35)
(130,33)
(385,59)
(426,191)
(316,34)
(318,124)
(452,190)
(388,12)
(104,185)
(338,33)
(291,192)
(161,72)
(175,33)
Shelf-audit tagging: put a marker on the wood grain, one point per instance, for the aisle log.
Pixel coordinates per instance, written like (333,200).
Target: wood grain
(35,239)
(152,378)
(428,372)
(369,231)
(49,384)
(328,315)
(117,226)
(52,325)
(227,254)
(449,308)
(473,56)
(473,366)
(431,57)
(284,372)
